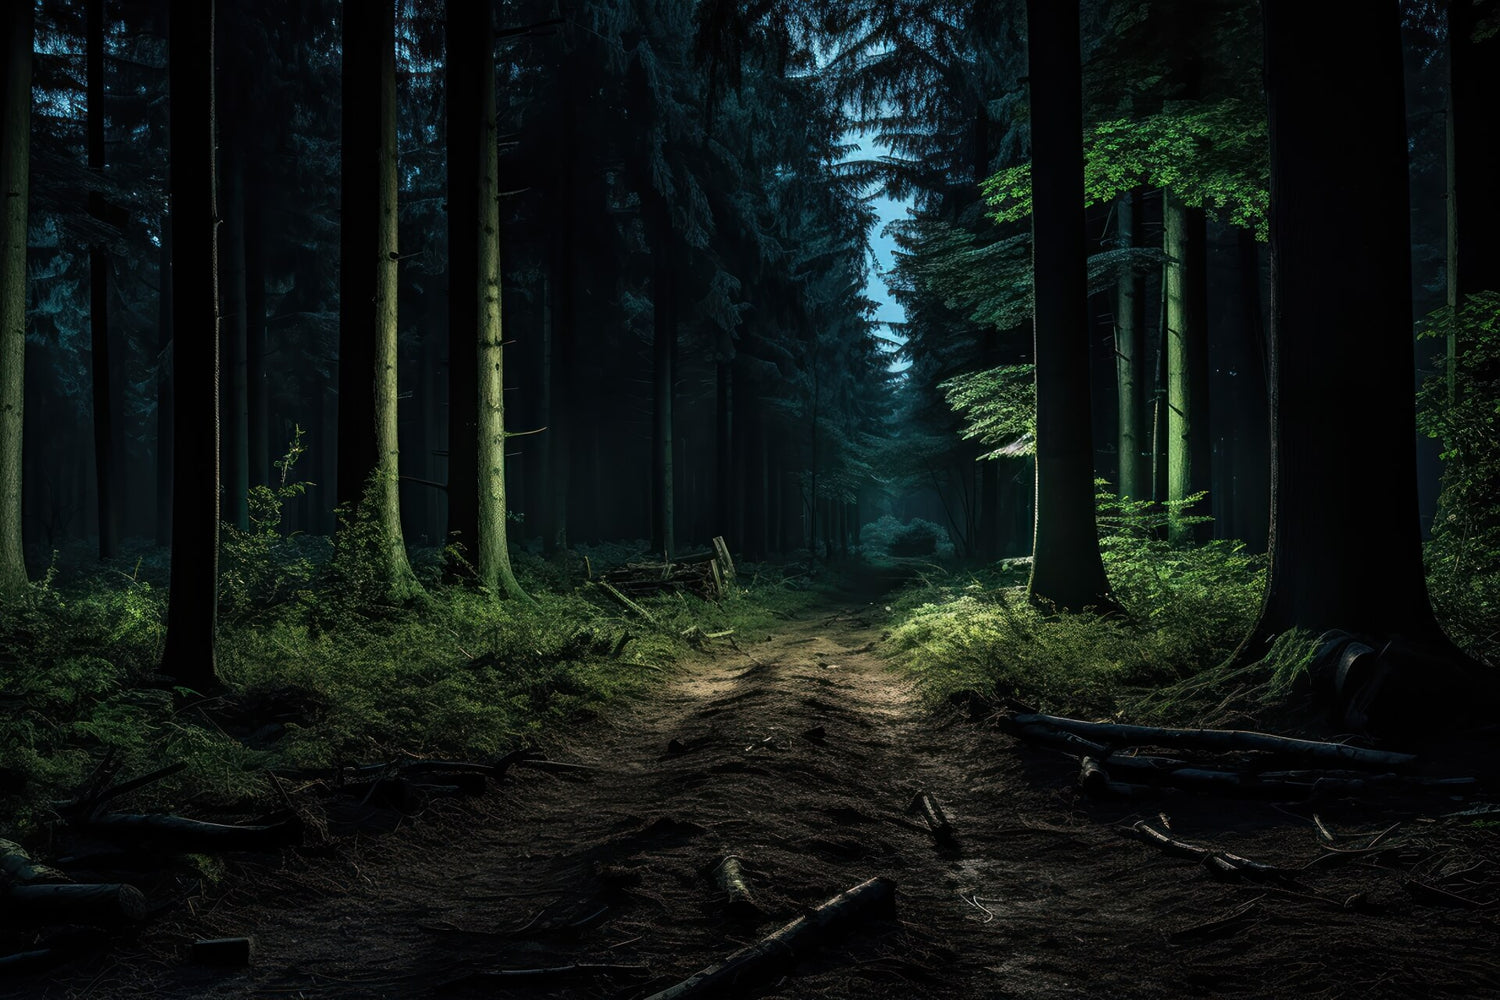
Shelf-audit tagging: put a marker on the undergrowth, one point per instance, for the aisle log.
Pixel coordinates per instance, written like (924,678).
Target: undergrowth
(1186,609)
(315,671)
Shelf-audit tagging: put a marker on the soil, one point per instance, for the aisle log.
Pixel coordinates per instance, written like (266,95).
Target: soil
(1041,896)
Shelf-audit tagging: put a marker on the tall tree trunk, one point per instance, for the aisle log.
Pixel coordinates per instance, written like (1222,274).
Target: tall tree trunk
(1252,484)
(165,397)
(663,380)
(724,429)
(1130,357)
(257,397)
(463,113)
(15,178)
(369,452)
(1066,570)
(1473,160)
(192,606)
(1188,443)
(235,415)
(106,468)
(1345,549)
(495,573)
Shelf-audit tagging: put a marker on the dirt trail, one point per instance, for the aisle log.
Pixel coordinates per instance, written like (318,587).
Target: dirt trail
(1040,898)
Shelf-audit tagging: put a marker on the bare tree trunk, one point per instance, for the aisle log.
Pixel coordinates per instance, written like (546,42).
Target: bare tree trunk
(192,608)
(1066,570)
(106,466)
(1343,459)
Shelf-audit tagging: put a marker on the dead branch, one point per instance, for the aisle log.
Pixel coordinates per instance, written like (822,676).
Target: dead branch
(774,954)
(1119,734)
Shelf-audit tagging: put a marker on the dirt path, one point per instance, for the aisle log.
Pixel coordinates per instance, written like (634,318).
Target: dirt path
(1041,897)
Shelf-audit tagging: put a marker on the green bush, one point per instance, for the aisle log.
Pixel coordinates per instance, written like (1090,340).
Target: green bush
(1463,557)
(1186,610)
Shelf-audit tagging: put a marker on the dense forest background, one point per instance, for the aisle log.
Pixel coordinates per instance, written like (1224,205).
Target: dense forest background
(310,307)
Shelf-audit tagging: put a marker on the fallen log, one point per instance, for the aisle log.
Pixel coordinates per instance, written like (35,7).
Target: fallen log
(739,902)
(230,952)
(1120,734)
(25,963)
(628,604)
(773,954)
(106,904)
(1220,864)
(89,805)
(1092,777)
(16,866)
(518,978)
(1221,927)
(178,834)
(927,805)
(1050,737)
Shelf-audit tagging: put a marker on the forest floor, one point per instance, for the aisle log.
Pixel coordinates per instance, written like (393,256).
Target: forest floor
(1041,896)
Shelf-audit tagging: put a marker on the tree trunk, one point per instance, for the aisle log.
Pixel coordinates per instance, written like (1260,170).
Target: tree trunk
(495,573)
(724,429)
(15,177)
(364,35)
(1473,161)
(192,607)
(257,397)
(663,379)
(1251,483)
(1130,358)
(1066,569)
(1188,452)
(463,113)
(1344,533)
(233,333)
(106,468)
(369,452)
(165,397)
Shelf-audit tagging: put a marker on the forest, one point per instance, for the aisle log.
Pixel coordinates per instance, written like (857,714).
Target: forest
(663,499)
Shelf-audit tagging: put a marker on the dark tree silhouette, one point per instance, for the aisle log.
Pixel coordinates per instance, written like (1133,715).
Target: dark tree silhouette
(1345,542)
(192,609)
(1066,569)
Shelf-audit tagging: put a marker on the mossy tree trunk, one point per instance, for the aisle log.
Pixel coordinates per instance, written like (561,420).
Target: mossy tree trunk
(192,607)
(1066,569)
(1130,358)
(15,182)
(495,572)
(1185,242)
(369,454)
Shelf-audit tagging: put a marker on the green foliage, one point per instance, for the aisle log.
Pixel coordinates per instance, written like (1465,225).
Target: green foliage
(1187,608)
(998,406)
(313,675)
(261,567)
(1214,156)
(1463,558)
(917,537)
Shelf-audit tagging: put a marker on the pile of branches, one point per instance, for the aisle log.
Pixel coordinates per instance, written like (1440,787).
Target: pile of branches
(1125,761)
(703,574)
